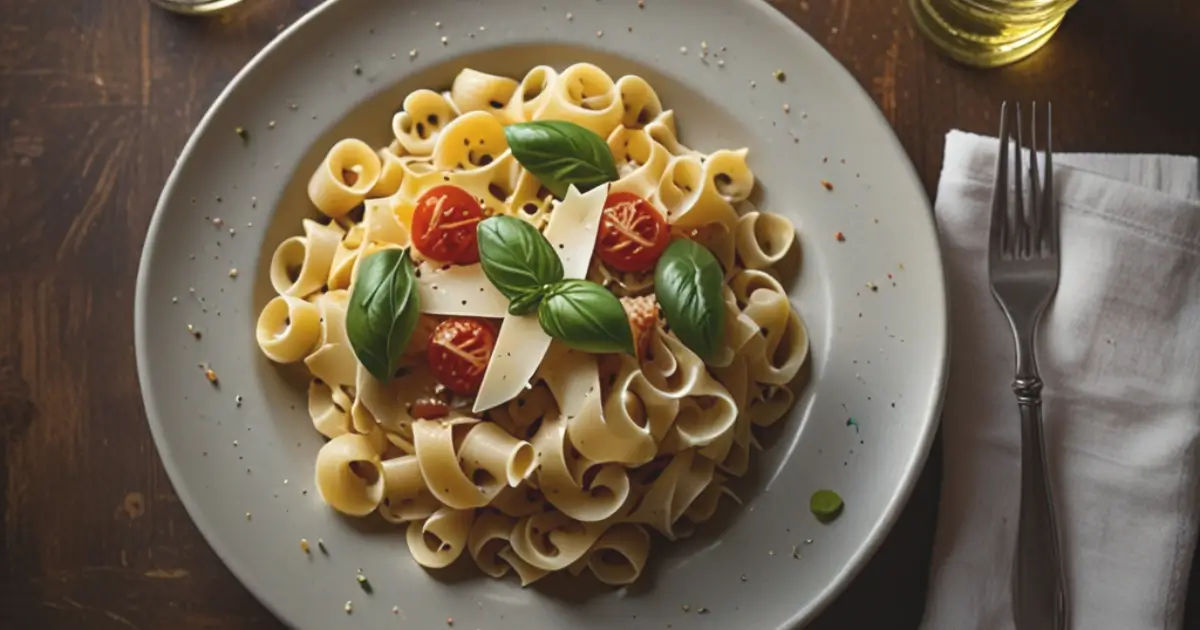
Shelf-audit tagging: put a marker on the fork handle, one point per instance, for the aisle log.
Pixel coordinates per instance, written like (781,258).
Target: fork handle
(1038,583)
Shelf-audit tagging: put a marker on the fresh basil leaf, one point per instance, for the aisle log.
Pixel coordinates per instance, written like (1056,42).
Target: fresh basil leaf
(561,153)
(586,316)
(525,304)
(383,311)
(517,258)
(687,282)
(826,505)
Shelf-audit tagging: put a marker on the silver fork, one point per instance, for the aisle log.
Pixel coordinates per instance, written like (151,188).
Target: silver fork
(1023,267)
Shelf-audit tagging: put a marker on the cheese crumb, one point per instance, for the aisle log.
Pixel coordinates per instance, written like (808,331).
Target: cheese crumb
(304,545)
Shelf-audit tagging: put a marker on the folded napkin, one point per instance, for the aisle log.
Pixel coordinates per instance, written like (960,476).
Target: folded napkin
(1119,350)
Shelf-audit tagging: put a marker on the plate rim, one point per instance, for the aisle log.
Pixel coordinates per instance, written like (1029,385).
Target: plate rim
(832,590)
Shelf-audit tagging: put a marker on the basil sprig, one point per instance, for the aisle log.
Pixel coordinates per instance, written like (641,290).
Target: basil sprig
(383,311)
(518,260)
(687,282)
(586,316)
(522,264)
(561,154)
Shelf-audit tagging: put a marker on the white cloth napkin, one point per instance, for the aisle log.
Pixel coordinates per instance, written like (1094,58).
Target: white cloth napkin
(1120,354)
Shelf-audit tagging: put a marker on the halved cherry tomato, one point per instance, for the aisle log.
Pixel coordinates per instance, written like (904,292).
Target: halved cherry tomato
(459,352)
(444,223)
(633,234)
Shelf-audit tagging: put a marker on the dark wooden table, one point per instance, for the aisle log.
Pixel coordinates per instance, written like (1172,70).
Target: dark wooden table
(97,98)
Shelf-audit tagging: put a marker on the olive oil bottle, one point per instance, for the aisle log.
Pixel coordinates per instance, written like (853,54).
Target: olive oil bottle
(195,7)
(989,33)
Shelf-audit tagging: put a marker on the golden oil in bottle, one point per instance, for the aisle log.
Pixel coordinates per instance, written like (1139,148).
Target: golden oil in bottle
(195,7)
(989,33)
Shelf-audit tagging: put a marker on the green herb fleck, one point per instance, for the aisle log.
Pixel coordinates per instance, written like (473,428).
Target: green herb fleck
(242,133)
(826,505)
(364,583)
(779,75)
(851,422)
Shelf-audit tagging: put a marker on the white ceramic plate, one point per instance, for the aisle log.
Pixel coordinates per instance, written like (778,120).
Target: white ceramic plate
(879,355)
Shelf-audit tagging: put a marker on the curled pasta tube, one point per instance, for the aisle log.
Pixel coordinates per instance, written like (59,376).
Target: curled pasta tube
(489,536)
(329,408)
(683,480)
(585,95)
(300,265)
(619,556)
(287,329)
(346,257)
(417,126)
(671,367)
(776,357)
(478,91)
(531,93)
(350,475)
(471,141)
(662,131)
(640,101)
(728,177)
(552,540)
(440,539)
(405,495)
(763,239)
(391,173)
(491,450)
(348,172)
(771,403)
(582,490)
(745,283)
(707,414)
(640,162)
(525,571)
(705,505)
(691,198)
(435,447)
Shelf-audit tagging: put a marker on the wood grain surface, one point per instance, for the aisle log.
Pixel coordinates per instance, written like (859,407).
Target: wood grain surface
(97,98)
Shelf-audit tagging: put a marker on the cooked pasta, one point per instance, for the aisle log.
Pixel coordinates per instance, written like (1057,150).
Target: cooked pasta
(554,457)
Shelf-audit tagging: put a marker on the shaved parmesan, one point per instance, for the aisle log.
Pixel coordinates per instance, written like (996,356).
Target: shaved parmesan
(522,343)
(459,290)
(519,349)
(572,229)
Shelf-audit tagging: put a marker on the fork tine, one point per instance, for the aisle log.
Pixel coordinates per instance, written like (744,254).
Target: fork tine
(1036,206)
(1020,240)
(998,230)
(1052,216)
